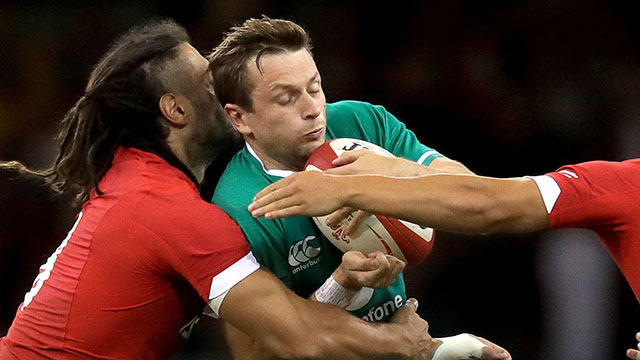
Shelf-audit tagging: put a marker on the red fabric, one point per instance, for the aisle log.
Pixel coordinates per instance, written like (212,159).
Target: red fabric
(604,197)
(138,267)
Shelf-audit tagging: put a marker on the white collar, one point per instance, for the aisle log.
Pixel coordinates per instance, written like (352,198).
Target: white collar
(272,172)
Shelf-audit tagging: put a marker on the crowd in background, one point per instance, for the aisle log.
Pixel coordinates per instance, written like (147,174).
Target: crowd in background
(507,87)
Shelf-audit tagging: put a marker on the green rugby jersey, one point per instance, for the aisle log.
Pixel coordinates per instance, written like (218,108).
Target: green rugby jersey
(293,248)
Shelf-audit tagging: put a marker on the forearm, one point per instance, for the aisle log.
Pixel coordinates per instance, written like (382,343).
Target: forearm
(462,203)
(291,327)
(443,165)
(320,343)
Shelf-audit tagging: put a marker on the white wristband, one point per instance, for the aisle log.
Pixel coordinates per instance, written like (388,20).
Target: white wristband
(331,292)
(461,346)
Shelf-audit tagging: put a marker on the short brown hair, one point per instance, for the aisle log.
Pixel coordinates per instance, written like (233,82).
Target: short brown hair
(255,37)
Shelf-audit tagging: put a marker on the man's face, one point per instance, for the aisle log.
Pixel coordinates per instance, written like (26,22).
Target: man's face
(289,118)
(211,127)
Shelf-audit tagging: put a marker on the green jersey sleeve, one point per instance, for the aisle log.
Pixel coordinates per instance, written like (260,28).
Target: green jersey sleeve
(373,123)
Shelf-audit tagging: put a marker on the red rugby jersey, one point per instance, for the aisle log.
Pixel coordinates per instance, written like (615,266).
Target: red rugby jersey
(138,264)
(604,197)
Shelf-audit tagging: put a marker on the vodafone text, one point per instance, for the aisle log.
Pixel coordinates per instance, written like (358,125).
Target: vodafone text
(380,312)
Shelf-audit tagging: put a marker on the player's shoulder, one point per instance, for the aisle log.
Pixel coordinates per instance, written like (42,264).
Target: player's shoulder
(243,175)
(240,182)
(353,107)
(356,119)
(600,177)
(599,168)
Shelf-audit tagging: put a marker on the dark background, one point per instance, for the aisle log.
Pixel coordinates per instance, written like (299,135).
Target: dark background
(509,88)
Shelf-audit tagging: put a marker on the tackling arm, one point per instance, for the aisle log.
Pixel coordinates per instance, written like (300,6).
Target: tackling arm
(463,203)
(356,270)
(287,326)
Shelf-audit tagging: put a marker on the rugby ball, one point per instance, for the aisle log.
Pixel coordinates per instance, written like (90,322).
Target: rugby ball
(407,241)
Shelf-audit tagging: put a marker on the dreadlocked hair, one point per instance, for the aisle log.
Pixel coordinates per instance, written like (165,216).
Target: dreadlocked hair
(119,108)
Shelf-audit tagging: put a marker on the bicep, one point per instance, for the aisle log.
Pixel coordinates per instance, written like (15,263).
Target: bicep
(520,206)
(263,308)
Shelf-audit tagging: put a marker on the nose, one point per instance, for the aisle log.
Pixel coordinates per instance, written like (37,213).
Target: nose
(312,107)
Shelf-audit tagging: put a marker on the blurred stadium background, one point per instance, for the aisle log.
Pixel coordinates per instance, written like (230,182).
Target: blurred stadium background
(508,87)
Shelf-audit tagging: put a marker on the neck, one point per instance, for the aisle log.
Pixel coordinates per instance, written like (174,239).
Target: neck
(196,160)
(268,162)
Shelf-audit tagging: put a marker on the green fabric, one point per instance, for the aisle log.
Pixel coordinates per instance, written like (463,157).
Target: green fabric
(293,248)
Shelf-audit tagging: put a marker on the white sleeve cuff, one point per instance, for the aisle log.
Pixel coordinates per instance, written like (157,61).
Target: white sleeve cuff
(426,155)
(549,190)
(233,275)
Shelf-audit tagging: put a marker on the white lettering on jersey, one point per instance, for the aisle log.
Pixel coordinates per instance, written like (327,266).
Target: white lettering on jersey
(303,251)
(45,270)
(379,312)
(568,173)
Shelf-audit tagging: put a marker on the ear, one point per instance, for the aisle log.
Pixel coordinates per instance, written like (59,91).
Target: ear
(175,109)
(239,118)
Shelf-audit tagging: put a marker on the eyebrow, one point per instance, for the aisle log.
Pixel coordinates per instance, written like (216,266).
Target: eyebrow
(289,86)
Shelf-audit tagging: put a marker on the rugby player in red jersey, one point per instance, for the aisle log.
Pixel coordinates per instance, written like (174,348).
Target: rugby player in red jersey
(146,253)
(601,196)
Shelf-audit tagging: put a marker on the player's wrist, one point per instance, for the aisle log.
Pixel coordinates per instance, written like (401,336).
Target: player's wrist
(351,188)
(403,339)
(461,346)
(332,292)
(341,276)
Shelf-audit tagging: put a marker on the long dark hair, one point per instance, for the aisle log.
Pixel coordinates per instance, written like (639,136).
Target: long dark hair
(119,107)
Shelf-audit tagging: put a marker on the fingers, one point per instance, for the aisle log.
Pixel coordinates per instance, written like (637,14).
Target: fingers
(376,271)
(338,216)
(271,189)
(412,303)
(492,351)
(267,199)
(356,261)
(348,157)
(633,354)
(275,204)
(359,218)
(384,275)
(406,311)
(398,267)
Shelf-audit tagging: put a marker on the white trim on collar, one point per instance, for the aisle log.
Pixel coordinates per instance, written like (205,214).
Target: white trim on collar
(272,172)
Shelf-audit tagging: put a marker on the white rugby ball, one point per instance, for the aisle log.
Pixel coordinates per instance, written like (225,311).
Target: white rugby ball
(407,241)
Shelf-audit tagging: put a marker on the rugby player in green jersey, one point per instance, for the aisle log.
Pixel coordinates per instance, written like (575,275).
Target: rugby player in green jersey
(266,79)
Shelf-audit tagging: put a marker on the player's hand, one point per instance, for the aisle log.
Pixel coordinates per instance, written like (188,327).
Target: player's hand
(417,327)
(356,218)
(492,351)
(633,353)
(307,193)
(365,162)
(376,271)
(468,347)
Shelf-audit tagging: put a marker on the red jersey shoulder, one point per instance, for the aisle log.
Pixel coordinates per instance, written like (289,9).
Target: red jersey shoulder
(597,178)
(596,193)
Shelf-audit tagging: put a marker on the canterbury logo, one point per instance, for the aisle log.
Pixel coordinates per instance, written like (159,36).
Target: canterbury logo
(303,251)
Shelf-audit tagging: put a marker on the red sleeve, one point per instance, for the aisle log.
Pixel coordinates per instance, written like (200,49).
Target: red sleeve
(592,194)
(199,242)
